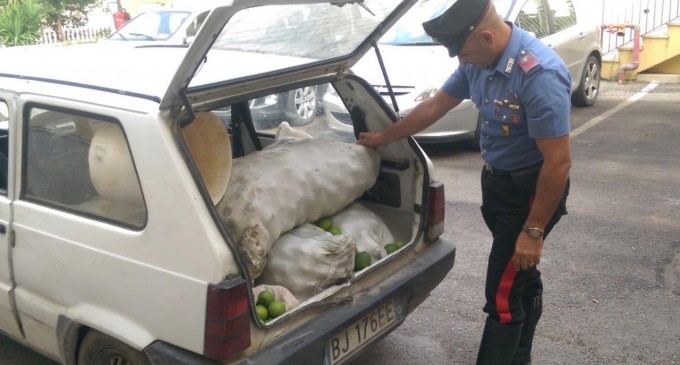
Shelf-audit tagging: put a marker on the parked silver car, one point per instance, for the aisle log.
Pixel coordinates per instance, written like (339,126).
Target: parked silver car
(417,66)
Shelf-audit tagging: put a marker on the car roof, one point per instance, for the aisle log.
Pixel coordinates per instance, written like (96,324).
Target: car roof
(175,74)
(143,70)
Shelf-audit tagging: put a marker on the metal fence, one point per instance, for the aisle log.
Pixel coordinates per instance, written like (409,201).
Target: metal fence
(650,15)
(74,34)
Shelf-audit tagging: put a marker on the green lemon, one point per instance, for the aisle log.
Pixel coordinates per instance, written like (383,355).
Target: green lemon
(362,260)
(324,223)
(399,244)
(334,231)
(276,308)
(391,247)
(265,298)
(262,312)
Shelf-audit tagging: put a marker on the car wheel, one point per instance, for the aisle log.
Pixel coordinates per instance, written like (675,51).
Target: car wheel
(589,87)
(300,106)
(474,142)
(100,349)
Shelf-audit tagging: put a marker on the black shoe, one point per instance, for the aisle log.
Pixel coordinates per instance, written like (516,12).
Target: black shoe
(499,343)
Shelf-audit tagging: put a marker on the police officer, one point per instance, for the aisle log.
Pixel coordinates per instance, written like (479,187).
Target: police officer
(522,90)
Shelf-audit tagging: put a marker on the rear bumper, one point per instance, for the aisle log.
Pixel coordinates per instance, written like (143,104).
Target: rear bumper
(307,344)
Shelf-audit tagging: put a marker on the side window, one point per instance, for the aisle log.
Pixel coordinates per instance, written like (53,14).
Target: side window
(532,18)
(564,15)
(311,110)
(4,145)
(81,164)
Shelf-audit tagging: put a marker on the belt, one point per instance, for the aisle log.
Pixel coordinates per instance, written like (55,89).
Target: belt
(505,173)
(496,172)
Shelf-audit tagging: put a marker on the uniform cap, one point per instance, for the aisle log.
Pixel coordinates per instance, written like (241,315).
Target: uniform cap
(456,23)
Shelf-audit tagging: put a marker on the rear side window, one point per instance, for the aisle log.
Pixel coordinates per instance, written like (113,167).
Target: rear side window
(81,164)
(564,15)
(304,110)
(532,18)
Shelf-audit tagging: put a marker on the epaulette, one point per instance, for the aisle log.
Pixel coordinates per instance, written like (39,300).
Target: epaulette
(527,61)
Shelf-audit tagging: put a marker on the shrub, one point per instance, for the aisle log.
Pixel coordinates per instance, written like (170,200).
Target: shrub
(20,23)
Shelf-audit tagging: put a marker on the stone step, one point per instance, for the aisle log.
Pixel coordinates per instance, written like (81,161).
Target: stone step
(659,78)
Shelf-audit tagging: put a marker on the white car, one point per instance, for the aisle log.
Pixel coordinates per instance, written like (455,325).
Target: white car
(176,25)
(417,66)
(135,228)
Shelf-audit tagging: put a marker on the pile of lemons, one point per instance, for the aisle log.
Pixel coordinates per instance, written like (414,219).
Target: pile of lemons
(268,307)
(327,225)
(362,259)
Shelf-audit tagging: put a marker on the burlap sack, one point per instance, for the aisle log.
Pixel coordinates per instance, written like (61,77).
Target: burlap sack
(276,189)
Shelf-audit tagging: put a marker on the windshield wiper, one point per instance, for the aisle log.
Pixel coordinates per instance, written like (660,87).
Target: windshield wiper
(358,2)
(366,8)
(148,37)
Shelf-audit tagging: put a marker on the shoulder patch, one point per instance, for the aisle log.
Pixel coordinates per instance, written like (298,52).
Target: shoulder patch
(527,61)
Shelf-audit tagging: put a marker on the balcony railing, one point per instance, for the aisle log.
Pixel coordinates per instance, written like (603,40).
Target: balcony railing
(650,15)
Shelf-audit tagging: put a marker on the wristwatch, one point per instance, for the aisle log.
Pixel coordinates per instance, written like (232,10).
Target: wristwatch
(534,233)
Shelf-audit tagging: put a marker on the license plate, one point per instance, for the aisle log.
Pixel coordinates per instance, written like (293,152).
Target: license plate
(363,330)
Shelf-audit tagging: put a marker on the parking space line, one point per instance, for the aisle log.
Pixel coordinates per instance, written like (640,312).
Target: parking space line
(593,122)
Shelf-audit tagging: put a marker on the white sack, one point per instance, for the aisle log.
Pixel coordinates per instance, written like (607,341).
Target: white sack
(274,190)
(286,132)
(308,260)
(368,230)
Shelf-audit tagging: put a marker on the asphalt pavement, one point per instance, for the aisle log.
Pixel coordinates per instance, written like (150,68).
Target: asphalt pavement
(611,267)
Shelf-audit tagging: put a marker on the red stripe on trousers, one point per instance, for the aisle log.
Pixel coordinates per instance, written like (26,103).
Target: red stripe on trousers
(503,293)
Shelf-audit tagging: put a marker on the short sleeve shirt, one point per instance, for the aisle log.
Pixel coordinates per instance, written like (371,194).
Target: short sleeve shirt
(524,97)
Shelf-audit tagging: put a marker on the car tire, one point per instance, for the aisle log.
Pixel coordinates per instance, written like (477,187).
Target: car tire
(100,349)
(300,106)
(473,143)
(589,87)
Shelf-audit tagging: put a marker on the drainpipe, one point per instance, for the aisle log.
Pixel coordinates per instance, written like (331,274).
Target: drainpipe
(618,29)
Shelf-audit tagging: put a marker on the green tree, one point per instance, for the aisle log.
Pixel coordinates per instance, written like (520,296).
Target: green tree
(20,22)
(66,13)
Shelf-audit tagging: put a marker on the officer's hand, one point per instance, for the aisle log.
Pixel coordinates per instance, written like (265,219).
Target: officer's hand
(527,252)
(371,139)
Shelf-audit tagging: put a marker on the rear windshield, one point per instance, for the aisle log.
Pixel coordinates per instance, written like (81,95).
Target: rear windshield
(271,38)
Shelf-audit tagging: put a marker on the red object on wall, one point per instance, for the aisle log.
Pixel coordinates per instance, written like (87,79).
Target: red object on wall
(120,18)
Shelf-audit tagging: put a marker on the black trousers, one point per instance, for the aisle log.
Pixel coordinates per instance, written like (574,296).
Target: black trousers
(506,200)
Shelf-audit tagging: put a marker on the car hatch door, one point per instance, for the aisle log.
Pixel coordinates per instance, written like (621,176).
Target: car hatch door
(256,44)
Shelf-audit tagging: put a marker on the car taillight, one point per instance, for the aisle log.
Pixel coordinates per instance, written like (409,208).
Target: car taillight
(436,212)
(227,319)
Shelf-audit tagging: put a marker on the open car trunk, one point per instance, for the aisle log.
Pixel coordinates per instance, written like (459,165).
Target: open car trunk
(311,216)
(303,198)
